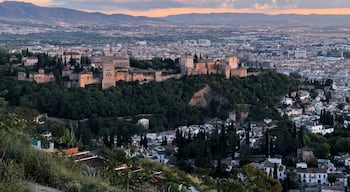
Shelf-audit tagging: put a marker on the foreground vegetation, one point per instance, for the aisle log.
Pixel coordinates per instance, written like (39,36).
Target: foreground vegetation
(21,163)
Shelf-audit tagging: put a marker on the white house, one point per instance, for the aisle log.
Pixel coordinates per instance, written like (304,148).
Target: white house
(347,162)
(300,54)
(301,165)
(30,61)
(313,176)
(326,164)
(203,42)
(318,128)
(327,130)
(344,159)
(287,101)
(269,166)
(68,56)
(303,95)
(143,123)
(314,127)
(294,112)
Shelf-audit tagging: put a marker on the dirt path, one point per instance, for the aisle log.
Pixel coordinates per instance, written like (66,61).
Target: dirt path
(41,188)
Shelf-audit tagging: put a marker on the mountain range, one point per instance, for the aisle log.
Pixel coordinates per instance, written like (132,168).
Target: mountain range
(12,11)
(21,11)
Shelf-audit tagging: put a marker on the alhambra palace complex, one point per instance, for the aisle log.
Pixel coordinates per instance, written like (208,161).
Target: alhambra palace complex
(116,68)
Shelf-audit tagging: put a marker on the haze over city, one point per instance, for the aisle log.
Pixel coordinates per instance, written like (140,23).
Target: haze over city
(160,8)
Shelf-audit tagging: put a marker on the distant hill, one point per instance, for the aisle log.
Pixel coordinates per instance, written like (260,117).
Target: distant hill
(20,11)
(12,11)
(260,19)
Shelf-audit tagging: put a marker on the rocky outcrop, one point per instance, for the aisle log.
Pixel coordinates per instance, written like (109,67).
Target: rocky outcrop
(205,96)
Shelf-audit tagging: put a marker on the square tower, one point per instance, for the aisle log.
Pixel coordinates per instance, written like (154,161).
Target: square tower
(108,71)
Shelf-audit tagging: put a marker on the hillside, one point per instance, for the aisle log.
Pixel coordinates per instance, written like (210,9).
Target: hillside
(167,103)
(20,162)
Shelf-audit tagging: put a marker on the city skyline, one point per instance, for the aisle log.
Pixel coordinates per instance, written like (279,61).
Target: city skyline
(159,8)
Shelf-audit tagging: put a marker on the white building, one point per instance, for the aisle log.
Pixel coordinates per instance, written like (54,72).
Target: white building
(347,162)
(326,164)
(190,43)
(294,112)
(344,159)
(203,42)
(142,43)
(314,128)
(67,57)
(143,123)
(298,54)
(269,167)
(30,61)
(319,129)
(301,165)
(303,95)
(287,101)
(313,176)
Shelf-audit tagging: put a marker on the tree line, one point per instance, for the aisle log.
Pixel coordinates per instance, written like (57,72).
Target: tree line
(204,147)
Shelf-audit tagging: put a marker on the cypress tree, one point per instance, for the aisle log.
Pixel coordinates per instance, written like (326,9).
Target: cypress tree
(275,171)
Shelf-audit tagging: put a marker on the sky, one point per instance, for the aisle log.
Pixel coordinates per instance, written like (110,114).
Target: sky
(158,8)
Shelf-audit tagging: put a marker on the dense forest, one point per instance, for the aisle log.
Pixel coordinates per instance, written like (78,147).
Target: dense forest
(166,103)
